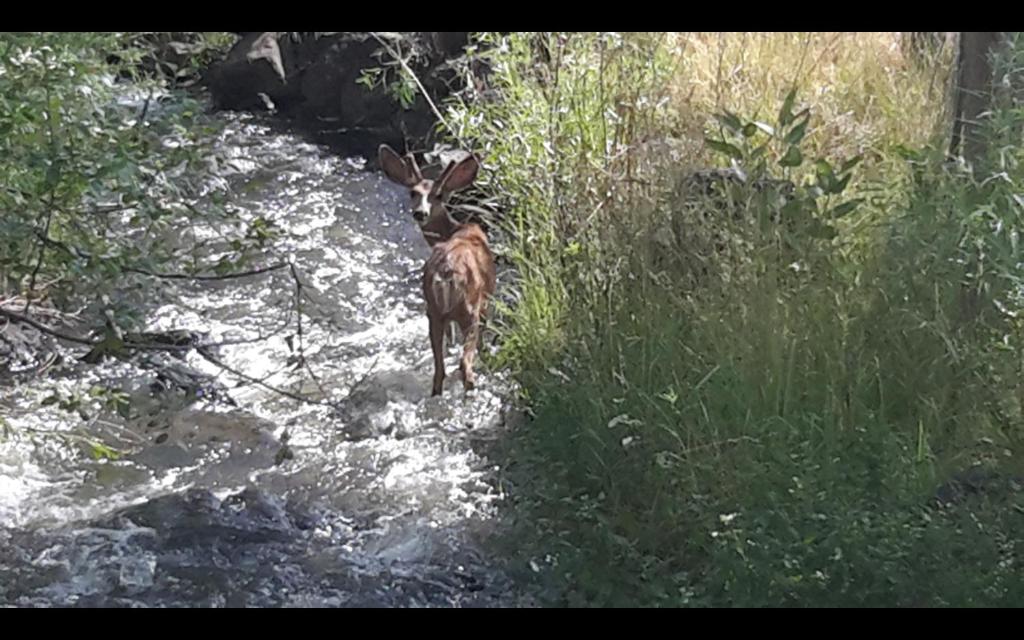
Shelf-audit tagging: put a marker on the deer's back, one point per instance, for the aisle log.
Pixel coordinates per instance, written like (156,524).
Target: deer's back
(459,275)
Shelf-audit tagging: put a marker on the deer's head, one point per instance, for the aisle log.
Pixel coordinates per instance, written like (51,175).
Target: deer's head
(427,198)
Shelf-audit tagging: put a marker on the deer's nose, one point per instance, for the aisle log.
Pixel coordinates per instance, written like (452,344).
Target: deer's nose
(419,215)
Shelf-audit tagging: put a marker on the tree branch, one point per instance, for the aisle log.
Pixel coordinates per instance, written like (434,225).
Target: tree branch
(201,349)
(44,236)
(128,344)
(22,319)
(294,396)
(426,96)
(302,346)
(187,276)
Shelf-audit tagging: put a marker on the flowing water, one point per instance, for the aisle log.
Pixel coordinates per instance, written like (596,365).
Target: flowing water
(230,494)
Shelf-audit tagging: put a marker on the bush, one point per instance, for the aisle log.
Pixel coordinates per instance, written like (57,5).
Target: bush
(747,393)
(95,173)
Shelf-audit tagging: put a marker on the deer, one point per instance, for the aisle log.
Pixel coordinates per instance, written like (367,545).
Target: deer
(459,276)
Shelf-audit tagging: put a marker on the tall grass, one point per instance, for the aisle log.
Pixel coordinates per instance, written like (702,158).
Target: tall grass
(749,394)
(863,91)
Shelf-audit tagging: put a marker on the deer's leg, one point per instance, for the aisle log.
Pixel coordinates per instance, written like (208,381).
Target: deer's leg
(470,340)
(437,327)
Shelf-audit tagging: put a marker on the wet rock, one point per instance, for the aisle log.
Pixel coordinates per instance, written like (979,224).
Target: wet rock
(197,518)
(192,549)
(383,404)
(200,426)
(313,80)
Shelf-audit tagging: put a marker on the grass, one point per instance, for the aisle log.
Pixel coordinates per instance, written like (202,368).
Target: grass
(863,91)
(739,403)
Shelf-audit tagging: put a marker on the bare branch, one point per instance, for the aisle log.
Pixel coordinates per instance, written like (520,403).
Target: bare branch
(128,344)
(22,319)
(228,276)
(43,237)
(257,381)
(302,347)
(426,96)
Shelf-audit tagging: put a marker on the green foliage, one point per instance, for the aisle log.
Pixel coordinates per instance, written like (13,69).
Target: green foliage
(560,139)
(172,57)
(95,179)
(105,171)
(394,74)
(402,88)
(747,387)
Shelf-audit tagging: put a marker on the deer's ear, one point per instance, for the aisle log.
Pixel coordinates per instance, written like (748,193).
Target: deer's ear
(460,175)
(396,169)
(443,178)
(415,168)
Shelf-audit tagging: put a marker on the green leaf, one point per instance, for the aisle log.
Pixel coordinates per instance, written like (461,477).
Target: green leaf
(846,208)
(786,112)
(826,176)
(101,451)
(906,153)
(793,158)
(730,121)
(725,148)
(50,400)
(820,230)
(850,164)
(223,267)
(796,134)
(749,130)
(794,210)
(840,185)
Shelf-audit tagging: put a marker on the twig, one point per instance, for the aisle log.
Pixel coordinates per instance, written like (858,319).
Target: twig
(803,58)
(19,318)
(43,311)
(187,276)
(42,252)
(145,109)
(203,349)
(51,196)
(75,252)
(426,96)
(112,208)
(128,344)
(257,381)
(298,316)
(259,338)
(366,376)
